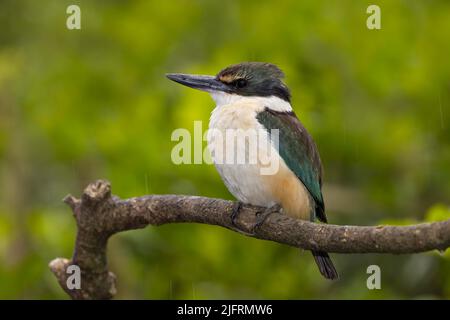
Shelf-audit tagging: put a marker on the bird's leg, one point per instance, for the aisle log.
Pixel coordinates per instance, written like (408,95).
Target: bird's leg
(234,214)
(262,216)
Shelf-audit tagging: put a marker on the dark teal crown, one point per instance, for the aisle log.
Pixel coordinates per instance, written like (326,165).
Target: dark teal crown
(255,79)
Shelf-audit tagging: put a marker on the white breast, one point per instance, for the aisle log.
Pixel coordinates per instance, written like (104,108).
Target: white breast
(245,180)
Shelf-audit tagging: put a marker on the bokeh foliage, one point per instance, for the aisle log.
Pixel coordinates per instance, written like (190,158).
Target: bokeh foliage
(94,103)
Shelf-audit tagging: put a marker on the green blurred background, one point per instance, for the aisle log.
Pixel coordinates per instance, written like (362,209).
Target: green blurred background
(78,105)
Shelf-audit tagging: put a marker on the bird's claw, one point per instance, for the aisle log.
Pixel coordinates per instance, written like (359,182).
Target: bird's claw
(263,215)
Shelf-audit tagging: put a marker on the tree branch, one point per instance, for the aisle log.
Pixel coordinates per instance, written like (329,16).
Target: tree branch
(100,215)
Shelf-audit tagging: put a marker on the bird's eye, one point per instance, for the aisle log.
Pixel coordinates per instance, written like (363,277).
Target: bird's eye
(240,83)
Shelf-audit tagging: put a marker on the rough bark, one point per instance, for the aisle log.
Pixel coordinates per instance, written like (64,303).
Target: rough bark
(100,215)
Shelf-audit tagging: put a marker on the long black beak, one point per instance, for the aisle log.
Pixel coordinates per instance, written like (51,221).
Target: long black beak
(204,83)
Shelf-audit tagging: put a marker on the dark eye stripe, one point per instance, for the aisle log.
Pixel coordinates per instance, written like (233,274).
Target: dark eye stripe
(240,83)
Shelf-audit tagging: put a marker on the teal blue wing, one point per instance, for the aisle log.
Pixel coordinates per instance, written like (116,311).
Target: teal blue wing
(298,150)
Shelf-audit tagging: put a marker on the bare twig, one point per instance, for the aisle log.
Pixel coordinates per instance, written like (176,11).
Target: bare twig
(100,215)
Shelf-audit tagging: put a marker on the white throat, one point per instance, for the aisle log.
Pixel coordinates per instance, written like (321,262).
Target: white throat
(272,102)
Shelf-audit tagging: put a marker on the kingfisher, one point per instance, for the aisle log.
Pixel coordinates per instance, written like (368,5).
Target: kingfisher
(252,95)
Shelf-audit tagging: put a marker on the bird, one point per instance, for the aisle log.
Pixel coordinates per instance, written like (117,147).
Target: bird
(253,96)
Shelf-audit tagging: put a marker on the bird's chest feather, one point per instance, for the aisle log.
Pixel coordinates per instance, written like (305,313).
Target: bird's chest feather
(246,181)
(236,141)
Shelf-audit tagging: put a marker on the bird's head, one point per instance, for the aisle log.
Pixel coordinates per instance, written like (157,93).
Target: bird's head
(244,79)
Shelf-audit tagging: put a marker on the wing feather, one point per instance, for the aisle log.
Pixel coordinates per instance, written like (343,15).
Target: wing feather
(299,152)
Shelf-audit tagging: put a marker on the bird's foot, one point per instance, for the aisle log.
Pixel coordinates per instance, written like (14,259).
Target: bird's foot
(262,216)
(235,213)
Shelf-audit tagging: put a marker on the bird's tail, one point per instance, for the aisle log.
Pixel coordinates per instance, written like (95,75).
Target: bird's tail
(325,265)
